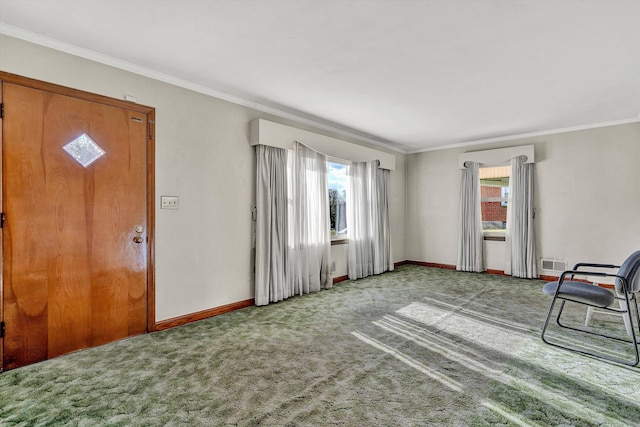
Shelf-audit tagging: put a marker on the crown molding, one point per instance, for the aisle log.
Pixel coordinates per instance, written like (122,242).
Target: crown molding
(277,111)
(91,55)
(530,135)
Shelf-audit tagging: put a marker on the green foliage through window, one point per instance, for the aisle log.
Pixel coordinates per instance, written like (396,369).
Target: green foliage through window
(337,178)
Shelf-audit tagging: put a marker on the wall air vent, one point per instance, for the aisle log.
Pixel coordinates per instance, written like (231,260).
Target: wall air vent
(553,265)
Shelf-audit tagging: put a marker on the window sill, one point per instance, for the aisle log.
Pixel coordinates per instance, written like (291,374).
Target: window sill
(339,241)
(494,238)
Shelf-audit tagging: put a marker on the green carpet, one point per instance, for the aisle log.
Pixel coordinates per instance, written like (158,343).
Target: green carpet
(415,347)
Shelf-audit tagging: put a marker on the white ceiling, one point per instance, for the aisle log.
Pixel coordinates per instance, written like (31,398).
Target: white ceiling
(415,75)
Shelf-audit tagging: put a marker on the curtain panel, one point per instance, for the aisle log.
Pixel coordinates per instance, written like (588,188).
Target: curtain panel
(368,220)
(292,223)
(470,239)
(271,225)
(520,251)
(309,241)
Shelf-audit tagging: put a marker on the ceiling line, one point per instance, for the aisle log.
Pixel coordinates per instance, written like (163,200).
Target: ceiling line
(530,134)
(91,55)
(333,128)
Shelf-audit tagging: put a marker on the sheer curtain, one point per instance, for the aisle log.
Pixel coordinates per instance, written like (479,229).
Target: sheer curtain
(271,225)
(368,220)
(309,241)
(470,243)
(292,223)
(520,242)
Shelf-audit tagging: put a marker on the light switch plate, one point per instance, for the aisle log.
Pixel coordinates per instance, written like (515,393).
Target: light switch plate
(169,202)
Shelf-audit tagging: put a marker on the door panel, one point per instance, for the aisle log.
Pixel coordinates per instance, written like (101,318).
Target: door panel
(73,276)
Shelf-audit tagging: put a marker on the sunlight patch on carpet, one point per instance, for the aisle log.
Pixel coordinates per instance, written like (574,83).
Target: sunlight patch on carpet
(479,363)
(492,336)
(507,341)
(510,415)
(441,378)
(492,319)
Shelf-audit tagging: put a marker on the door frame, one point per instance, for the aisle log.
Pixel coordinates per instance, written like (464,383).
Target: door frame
(101,99)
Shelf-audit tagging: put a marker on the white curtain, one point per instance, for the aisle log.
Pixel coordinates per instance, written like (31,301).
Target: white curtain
(368,220)
(309,253)
(292,223)
(470,239)
(271,225)
(520,241)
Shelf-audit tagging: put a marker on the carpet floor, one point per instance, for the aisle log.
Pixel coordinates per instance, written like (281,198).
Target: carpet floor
(415,347)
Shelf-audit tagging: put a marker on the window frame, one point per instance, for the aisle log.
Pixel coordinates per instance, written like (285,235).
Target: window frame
(503,200)
(339,239)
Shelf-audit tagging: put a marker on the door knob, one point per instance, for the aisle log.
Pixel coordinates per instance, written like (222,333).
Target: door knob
(138,239)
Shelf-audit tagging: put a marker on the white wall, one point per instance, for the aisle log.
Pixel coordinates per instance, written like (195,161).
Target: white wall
(339,256)
(433,181)
(203,250)
(587,195)
(397,208)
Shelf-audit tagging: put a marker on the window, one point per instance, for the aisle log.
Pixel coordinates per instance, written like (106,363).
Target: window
(494,193)
(338,184)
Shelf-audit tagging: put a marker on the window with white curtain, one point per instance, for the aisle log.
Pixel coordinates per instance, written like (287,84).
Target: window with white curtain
(338,183)
(494,193)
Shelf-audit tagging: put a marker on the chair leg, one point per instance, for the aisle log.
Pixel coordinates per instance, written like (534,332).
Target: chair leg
(587,318)
(628,322)
(546,322)
(635,301)
(628,316)
(623,306)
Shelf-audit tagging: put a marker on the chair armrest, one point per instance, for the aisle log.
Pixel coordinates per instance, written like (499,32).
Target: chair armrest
(573,273)
(586,264)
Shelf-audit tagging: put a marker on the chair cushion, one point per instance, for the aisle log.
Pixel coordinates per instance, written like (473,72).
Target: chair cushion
(583,292)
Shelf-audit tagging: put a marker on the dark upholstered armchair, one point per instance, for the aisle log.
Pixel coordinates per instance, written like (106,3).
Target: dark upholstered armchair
(568,290)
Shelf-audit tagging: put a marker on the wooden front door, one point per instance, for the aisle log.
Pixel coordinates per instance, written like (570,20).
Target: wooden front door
(76,223)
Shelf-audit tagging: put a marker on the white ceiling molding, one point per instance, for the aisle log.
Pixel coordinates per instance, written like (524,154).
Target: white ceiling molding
(498,156)
(356,92)
(494,70)
(531,134)
(264,132)
(91,55)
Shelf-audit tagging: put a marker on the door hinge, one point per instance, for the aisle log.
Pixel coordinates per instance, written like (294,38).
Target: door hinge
(1,219)
(1,111)
(1,329)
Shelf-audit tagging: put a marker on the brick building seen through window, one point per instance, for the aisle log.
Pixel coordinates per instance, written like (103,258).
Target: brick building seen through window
(494,188)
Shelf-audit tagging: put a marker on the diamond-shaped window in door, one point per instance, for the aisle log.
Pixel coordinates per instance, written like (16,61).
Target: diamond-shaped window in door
(84,150)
